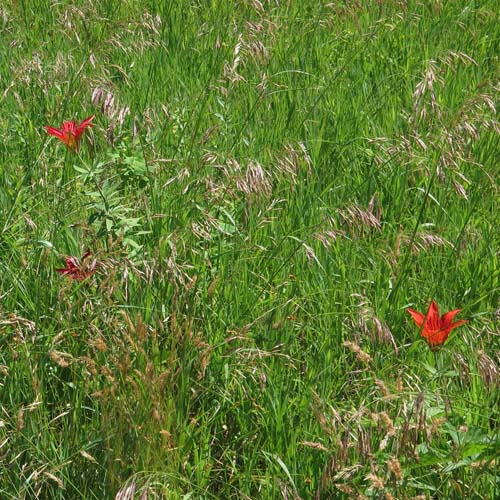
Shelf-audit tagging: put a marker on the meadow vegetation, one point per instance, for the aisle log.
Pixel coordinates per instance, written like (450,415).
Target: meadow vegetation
(268,185)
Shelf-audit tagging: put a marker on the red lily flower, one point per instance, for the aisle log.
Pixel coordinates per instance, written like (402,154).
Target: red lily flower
(70,132)
(76,270)
(435,329)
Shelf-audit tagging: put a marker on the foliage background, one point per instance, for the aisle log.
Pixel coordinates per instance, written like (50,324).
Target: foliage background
(268,186)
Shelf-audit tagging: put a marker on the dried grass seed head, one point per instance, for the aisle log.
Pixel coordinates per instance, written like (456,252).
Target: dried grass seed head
(488,370)
(361,355)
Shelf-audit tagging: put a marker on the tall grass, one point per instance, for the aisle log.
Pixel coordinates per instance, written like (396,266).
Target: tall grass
(267,187)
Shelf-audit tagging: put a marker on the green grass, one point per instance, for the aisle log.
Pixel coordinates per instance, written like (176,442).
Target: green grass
(267,187)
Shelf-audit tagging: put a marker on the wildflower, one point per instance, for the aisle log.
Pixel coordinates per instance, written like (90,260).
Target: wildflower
(76,270)
(70,132)
(435,329)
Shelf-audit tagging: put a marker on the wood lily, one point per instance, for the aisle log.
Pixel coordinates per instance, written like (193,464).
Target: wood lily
(78,270)
(434,328)
(70,132)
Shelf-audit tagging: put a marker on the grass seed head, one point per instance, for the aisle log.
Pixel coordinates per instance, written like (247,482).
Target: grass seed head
(488,370)
(344,488)
(394,467)
(20,420)
(361,355)
(361,220)
(376,481)
(63,359)
(383,388)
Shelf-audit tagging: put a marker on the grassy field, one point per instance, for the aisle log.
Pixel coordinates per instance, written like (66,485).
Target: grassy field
(267,187)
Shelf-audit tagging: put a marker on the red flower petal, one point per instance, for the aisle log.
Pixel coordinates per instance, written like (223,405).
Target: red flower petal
(435,338)
(85,123)
(455,325)
(55,132)
(447,318)
(432,320)
(417,317)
